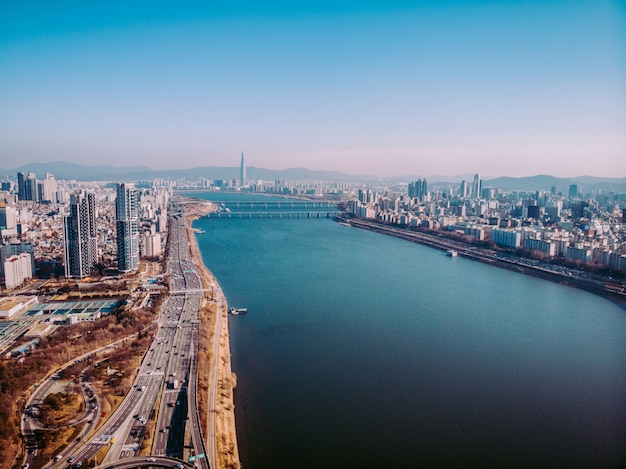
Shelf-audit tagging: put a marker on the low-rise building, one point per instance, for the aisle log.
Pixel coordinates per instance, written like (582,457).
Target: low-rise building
(9,307)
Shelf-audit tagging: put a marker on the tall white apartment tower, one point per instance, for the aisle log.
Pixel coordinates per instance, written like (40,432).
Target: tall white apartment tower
(127,224)
(80,235)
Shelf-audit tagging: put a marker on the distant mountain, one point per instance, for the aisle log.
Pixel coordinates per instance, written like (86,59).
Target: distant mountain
(545,182)
(79,172)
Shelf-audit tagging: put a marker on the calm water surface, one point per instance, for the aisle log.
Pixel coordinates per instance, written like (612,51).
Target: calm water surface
(362,350)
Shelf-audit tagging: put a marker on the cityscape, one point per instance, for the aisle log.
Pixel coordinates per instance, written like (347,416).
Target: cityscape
(74,252)
(313,234)
(50,226)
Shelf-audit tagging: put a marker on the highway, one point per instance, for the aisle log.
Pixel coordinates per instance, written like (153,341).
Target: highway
(162,398)
(184,276)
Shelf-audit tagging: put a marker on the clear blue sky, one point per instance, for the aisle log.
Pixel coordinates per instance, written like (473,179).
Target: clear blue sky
(381,87)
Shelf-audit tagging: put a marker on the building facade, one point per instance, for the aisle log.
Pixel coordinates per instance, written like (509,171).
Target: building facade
(242,172)
(127,225)
(17,269)
(80,235)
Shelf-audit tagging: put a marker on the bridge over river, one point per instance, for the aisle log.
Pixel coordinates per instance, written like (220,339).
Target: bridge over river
(278,204)
(274,214)
(251,209)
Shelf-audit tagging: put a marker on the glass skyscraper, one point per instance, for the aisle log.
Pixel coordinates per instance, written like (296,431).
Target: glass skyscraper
(242,172)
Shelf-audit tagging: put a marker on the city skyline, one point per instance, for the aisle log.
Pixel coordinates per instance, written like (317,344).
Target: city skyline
(361,88)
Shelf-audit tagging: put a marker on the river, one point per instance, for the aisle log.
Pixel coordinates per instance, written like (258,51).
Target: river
(362,350)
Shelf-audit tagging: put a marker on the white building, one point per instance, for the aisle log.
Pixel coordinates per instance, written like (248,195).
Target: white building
(476,232)
(539,245)
(578,253)
(151,245)
(8,220)
(9,307)
(506,238)
(17,269)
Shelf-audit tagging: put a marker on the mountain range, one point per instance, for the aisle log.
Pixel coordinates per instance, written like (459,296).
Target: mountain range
(80,172)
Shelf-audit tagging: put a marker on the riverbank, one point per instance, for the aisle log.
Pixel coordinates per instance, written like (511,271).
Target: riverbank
(217,353)
(605,288)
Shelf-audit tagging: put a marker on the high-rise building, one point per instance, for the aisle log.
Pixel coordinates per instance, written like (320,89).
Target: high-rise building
(573,190)
(17,269)
(21,186)
(418,189)
(80,235)
(8,220)
(127,224)
(48,189)
(27,187)
(242,172)
(151,246)
(477,186)
(14,249)
(463,191)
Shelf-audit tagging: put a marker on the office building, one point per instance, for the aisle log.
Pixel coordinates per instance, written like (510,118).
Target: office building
(464,190)
(477,186)
(418,189)
(27,187)
(21,186)
(80,235)
(8,220)
(127,224)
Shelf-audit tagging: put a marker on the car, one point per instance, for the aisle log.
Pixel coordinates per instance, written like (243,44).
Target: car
(179,466)
(70,460)
(150,459)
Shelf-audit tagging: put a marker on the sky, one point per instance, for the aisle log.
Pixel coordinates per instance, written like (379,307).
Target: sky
(501,88)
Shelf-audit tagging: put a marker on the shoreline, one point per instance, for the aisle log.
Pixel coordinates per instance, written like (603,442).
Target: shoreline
(225,432)
(475,253)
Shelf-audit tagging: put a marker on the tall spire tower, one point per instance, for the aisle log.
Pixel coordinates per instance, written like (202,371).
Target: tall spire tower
(242,172)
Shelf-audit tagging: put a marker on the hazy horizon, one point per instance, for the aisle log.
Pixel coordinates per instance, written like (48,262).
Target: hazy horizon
(378,88)
(450,177)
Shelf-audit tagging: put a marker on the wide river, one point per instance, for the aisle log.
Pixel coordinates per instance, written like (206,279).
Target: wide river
(362,350)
